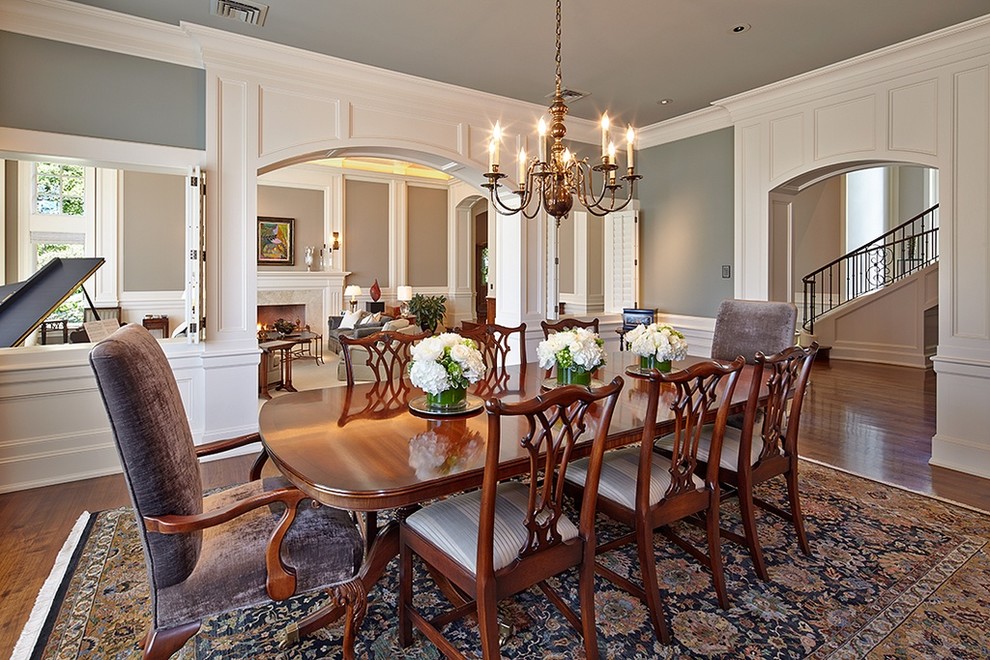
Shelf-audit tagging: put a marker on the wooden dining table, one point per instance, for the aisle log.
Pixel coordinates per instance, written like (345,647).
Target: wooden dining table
(363,449)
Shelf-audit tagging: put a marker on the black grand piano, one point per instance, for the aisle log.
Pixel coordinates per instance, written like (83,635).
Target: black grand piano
(25,305)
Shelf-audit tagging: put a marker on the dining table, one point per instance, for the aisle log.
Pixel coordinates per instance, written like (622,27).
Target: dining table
(373,446)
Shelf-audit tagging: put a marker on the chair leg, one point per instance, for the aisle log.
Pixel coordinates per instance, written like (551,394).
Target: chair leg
(792,495)
(405,596)
(715,553)
(748,511)
(488,622)
(586,593)
(161,643)
(648,568)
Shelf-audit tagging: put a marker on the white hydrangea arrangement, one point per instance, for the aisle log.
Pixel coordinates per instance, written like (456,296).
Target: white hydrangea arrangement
(445,362)
(657,340)
(578,348)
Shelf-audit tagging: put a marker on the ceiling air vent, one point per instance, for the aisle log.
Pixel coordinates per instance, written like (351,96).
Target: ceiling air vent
(252,13)
(571,95)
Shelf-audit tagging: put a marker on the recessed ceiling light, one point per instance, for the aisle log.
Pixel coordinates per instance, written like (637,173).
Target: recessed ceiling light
(665,101)
(740,28)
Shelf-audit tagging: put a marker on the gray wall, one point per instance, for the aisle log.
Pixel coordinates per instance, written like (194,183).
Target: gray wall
(153,218)
(686,227)
(366,232)
(427,208)
(306,208)
(565,256)
(108,95)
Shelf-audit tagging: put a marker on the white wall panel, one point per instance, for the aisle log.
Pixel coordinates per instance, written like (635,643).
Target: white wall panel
(786,144)
(295,119)
(914,117)
(846,128)
(374,123)
(971,254)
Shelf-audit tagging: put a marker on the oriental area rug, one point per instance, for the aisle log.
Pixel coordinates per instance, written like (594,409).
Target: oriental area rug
(893,575)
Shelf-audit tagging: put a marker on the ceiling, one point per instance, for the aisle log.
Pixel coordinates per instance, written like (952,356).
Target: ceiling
(628,54)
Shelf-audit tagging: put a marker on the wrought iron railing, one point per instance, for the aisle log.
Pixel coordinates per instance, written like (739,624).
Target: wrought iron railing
(907,248)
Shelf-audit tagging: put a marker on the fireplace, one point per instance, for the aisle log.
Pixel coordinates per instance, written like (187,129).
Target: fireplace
(295,313)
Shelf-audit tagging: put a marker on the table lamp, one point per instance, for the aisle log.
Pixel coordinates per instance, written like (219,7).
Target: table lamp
(404,294)
(353,290)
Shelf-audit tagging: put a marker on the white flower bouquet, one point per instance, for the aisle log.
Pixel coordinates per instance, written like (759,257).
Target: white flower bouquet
(445,362)
(578,351)
(658,341)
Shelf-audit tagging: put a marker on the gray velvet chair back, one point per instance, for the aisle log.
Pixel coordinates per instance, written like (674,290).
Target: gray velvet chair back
(744,327)
(154,442)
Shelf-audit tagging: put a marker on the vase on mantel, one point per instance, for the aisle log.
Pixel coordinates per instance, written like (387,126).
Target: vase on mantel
(447,399)
(573,376)
(651,362)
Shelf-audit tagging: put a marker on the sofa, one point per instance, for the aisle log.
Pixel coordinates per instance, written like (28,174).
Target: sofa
(355,325)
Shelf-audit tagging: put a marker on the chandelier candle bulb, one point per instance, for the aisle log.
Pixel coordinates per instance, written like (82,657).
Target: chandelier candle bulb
(604,135)
(611,156)
(630,139)
(496,143)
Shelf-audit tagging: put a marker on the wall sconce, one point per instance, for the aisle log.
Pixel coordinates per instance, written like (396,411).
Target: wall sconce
(404,294)
(353,290)
(335,245)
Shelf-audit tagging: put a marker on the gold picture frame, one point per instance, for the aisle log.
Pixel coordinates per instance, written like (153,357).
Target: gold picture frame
(276,237)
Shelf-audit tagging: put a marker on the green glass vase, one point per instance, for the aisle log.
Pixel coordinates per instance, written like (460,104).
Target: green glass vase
(651,362)
(448,399)
(573,376)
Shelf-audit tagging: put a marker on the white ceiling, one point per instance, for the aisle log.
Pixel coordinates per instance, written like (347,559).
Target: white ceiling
(628,54)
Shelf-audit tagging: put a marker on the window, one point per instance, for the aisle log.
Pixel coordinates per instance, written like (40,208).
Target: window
(59,189)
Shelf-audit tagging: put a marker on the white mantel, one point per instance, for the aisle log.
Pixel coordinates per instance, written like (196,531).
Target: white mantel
(320,291)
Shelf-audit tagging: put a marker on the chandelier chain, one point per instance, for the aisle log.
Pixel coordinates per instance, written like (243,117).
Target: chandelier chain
(558,48)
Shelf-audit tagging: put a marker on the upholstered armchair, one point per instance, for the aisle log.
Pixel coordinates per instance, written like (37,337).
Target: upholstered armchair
(262,540)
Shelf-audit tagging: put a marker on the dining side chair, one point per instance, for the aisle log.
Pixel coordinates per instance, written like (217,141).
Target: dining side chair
(567,324)
(506,537)
(385,355)
(242,546)
(647,491)
(765,446)
(494,344)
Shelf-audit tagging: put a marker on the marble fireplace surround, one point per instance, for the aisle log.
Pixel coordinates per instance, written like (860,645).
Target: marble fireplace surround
(320,292)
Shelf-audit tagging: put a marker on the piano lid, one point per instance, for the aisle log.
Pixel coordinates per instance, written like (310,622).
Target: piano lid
(24,305)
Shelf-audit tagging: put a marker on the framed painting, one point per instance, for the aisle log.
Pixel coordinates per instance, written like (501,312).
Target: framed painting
(275,241)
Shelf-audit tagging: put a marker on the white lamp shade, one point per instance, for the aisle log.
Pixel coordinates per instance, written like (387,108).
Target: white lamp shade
(404,293)
(352,290)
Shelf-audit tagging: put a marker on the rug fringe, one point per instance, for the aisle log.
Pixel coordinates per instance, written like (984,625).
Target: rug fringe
(897,486)
(46,596)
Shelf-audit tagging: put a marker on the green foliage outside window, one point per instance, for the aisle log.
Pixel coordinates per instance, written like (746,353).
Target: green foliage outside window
(59,189)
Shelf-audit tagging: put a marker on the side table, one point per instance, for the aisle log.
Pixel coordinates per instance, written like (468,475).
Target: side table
(267,348)
(156,323)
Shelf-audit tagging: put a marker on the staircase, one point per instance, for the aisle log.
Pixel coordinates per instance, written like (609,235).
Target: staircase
(878,302)
(902,251)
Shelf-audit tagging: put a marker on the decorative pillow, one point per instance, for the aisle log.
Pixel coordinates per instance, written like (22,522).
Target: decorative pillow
(371,319)
(397,324)
(351,319)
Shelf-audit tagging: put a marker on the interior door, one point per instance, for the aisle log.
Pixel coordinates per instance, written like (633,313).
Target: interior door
(195,256)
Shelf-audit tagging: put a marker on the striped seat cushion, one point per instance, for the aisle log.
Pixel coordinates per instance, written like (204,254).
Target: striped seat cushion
(729,460)
(452,525)
(618,481)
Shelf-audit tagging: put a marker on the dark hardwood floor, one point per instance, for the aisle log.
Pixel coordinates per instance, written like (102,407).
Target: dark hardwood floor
(872,420)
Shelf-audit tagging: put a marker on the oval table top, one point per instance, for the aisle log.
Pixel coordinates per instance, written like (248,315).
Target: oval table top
(360,448)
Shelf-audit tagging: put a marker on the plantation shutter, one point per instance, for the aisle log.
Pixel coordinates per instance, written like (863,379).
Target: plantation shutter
(621,261)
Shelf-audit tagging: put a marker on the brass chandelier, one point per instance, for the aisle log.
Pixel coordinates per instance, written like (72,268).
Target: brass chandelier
(556,176)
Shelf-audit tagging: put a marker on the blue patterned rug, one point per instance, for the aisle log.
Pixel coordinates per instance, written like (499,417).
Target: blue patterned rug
(893,575)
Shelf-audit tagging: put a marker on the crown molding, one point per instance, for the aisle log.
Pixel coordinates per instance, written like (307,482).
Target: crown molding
(685,126)
(924,52)
(93,27)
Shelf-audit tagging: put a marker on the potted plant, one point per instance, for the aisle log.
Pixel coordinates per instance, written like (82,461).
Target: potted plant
(428,310)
